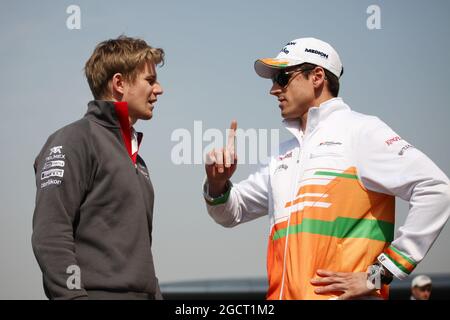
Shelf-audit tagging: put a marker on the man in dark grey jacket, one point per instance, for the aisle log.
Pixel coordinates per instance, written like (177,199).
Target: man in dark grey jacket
(94,203)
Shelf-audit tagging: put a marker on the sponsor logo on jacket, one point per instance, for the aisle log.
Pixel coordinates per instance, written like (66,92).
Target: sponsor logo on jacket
(330,143)
(403,150)
(287,155)
(55,150)
(49,170)
(55,153)
(50,182)
(52,173)
(392,140)
(51,164)
(281,167)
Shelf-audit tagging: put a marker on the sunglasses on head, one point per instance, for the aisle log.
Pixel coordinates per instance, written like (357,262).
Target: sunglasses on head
(282,78)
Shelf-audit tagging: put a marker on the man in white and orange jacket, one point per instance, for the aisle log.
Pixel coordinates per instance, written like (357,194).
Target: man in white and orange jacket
(330,192)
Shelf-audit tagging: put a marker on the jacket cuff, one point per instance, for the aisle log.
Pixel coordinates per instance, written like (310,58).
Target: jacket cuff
(398,263)
(218,200)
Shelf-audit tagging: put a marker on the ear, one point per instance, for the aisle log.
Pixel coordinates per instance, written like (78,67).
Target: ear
(318,77)
(118,83)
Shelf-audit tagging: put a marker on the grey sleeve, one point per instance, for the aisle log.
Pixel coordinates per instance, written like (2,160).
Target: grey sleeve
(158,294)
(61,184)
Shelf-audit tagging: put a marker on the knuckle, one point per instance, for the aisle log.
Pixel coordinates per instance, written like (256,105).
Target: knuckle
(337,287)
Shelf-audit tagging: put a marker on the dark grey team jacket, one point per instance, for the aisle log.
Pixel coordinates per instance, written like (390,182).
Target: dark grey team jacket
(92,222)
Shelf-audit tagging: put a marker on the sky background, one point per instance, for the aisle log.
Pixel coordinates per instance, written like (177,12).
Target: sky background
(399,73)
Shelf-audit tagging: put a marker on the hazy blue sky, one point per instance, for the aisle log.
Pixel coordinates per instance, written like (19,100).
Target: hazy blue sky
(399,73)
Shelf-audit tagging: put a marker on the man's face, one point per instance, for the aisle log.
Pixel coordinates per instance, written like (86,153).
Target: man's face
(142,94)
(296,97)
(422,293)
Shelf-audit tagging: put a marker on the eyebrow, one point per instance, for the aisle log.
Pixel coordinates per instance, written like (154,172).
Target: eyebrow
(151,77)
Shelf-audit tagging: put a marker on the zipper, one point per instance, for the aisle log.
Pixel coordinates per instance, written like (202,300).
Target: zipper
(298,173)
(294,192)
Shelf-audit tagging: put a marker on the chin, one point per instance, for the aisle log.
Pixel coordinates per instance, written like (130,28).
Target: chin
(146,116)
(285,115)
(289,116)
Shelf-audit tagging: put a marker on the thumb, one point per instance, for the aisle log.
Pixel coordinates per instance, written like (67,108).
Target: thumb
(210,158)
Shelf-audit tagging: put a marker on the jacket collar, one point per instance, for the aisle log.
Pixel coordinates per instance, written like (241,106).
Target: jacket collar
(316,115)
(103,112)
(114,115)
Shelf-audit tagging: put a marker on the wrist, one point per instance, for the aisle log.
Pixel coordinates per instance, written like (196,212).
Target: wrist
(217,188)
(386,275)
(214,198)
(378,275)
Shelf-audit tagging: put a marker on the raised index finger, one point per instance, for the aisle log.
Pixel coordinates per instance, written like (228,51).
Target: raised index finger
(231,135)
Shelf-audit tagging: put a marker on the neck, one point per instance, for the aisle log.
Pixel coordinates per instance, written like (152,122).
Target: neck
(132,121)
(315,103)
(118,98)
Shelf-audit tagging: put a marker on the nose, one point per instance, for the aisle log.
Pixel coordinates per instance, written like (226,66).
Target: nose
(157,89)
(275,90)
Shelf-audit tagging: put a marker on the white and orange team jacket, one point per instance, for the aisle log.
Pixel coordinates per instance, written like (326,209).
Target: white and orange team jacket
(330,196)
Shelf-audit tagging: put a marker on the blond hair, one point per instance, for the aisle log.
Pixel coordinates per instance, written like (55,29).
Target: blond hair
(123,55)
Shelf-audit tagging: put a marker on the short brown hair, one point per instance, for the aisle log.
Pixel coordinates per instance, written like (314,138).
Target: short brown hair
(333,81)
(123,55)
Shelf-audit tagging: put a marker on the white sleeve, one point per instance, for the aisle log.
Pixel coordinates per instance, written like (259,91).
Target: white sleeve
(390,165)
(244,201)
